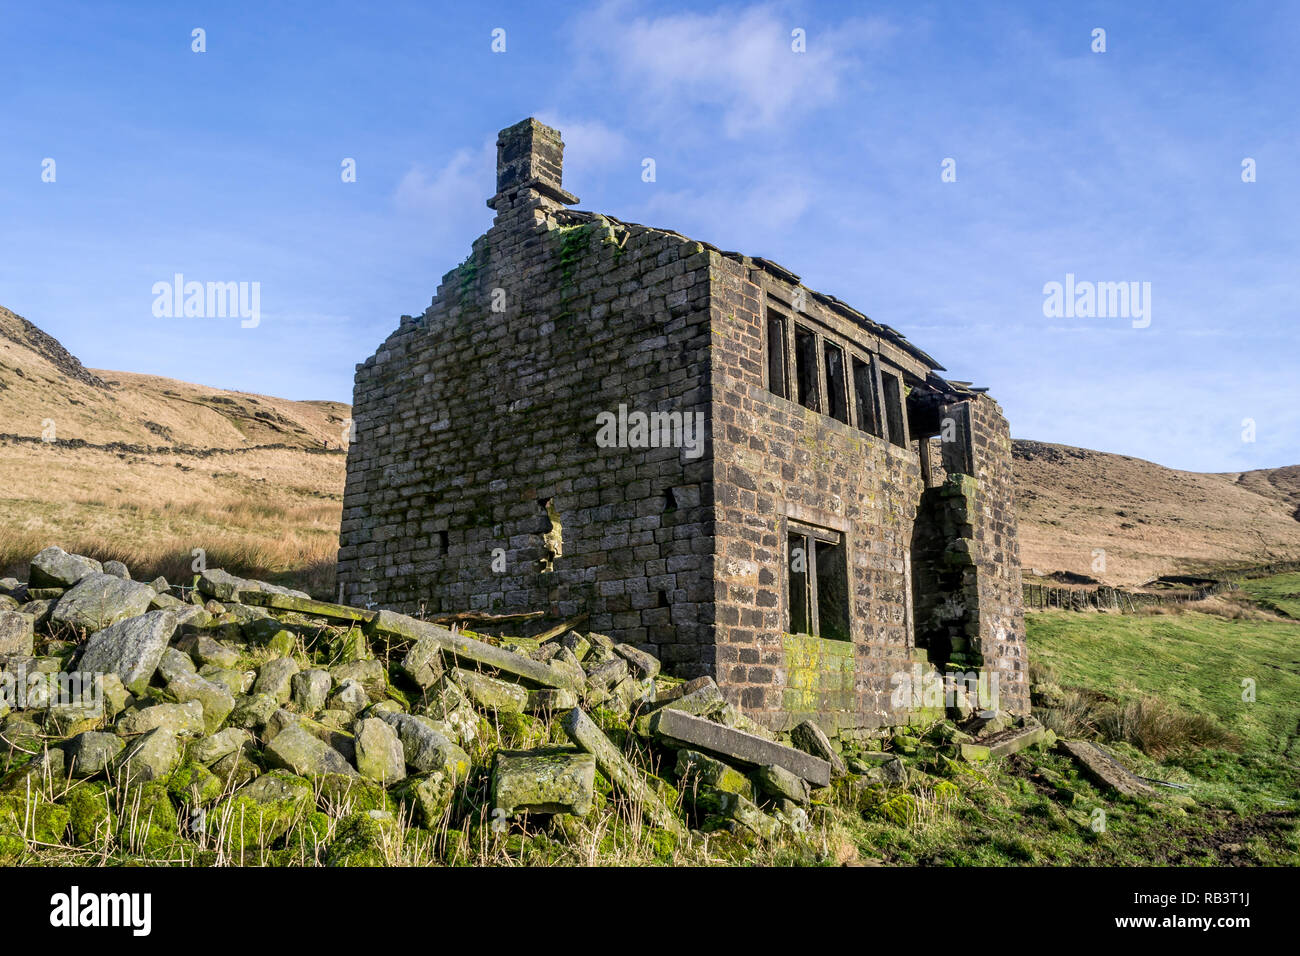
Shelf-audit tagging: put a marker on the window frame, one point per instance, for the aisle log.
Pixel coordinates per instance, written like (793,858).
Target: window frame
(811,536)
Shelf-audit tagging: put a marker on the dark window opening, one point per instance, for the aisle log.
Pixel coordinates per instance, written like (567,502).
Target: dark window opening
(864,391)
(805,357)
(442,542)
(777,380)
(893,401)
(670,501)
(837,399)
(818,592)
(800,592)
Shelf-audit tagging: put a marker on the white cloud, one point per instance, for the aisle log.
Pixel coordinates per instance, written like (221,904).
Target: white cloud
(736,60)
(589,145)
(455,194)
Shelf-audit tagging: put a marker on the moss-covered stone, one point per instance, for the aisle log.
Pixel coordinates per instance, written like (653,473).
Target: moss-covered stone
(90,814)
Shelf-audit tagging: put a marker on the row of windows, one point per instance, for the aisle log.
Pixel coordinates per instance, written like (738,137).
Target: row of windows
(827,377)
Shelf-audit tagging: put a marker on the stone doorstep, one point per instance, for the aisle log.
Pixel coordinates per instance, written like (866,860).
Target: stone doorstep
(1012,741)
(728,744)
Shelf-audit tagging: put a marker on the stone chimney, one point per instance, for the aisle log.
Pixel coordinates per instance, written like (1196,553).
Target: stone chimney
(530,156)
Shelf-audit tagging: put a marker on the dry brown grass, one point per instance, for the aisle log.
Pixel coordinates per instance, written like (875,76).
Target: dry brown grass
(1148,519)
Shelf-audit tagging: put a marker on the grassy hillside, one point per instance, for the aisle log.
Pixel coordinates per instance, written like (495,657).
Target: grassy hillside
(146,469)
(1149,520)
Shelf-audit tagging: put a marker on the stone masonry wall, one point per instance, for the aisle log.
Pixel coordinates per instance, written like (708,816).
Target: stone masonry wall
(469,420)
(1002,613)
(775,460)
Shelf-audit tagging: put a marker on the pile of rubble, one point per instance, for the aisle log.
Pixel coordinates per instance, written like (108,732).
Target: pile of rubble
(237,715)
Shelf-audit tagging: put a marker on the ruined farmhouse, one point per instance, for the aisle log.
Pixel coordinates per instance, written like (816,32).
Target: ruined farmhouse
(750,479)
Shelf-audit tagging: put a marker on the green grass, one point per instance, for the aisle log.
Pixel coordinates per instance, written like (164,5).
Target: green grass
(1280,593)
(1198,663)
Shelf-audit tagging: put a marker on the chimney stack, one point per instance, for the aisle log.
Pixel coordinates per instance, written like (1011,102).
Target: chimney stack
(531,156)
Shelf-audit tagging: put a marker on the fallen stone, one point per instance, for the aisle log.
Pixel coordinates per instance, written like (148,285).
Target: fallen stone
(99,600)
(379,751)
(738,809)
(117,569)
(696,771)
(183,720)
(17,633)
(1104,769)
(253,711)
(423,662)
(583,731)
(550,700)
(642,664)
(553,780)
(426,749)
(779,782)
(211,749)
(55,568)
(227,587)
(305,605)
(275,679)
(349,696)
(175,663)
(728,743)
(216,700)
(491,693)
(90,753)
(310,690)
(700,700)
(428,796)
(205,650)
(151,757)
(298,750)
(369,673)
(131,649)
(457,648)
(1013,741)
(811,739)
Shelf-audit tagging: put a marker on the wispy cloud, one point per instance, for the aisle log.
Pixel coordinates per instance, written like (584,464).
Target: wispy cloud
(737,61)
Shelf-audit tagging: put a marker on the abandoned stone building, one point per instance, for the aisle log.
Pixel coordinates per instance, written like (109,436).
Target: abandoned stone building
(748,478)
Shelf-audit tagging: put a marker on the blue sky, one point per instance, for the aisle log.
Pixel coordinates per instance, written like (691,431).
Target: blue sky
(1117,166)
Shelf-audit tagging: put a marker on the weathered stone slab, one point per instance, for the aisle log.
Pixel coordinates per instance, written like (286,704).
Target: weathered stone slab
(729,744)
(1104,769)
(553,780)
(1013,741)
(131,649)
(56,568)
(291,602)
(491,693)
(298,750)
(458,648)
(583,731)
(99,600)
(642,664)
(706,699)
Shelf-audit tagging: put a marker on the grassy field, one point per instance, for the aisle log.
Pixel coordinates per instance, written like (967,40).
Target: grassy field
(1280,593)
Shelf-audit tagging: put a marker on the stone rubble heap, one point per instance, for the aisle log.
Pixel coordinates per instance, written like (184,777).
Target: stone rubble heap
(248,710)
